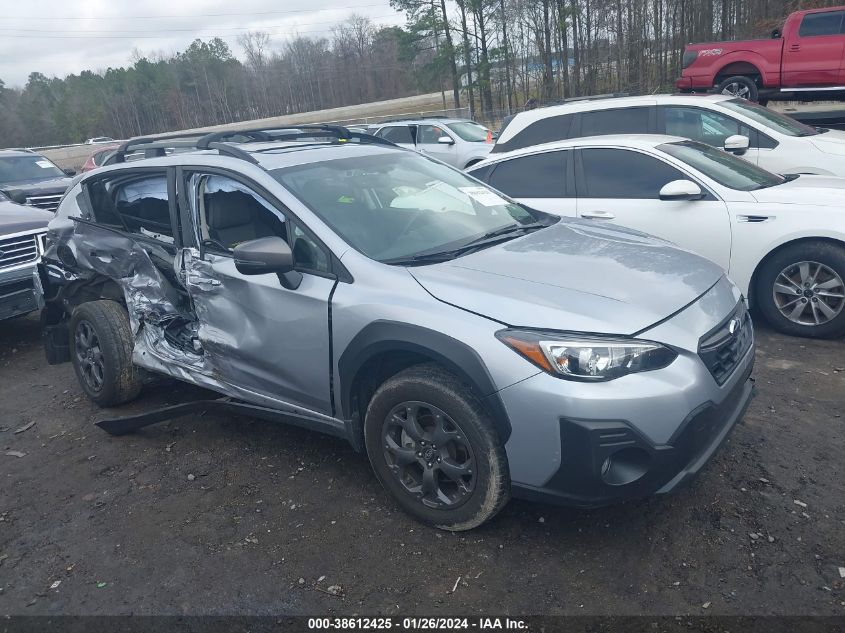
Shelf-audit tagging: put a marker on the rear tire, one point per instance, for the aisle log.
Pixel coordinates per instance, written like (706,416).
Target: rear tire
(739,86)
(434,448)
(101,346)
(801,290)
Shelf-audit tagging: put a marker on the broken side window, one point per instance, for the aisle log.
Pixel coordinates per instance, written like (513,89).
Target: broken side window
(137,203)
(231,214)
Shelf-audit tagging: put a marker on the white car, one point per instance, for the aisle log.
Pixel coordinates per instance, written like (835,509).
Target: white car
(775,141)
(457,142)
(781,238)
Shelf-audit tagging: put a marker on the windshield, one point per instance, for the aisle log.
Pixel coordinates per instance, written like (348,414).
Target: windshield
(26,168)
(771,119)
(724,168)
(396,206)
(469,131)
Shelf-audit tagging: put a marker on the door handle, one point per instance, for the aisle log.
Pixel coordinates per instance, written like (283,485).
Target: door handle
(598,215)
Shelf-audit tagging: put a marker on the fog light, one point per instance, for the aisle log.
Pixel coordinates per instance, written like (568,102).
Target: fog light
(625,466)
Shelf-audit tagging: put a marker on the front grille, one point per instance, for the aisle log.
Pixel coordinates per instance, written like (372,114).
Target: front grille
(17,250)
(722,348)
(46,202)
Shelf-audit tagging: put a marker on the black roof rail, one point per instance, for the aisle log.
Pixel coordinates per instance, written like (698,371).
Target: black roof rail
(609,95)
(411,118)
(225,141)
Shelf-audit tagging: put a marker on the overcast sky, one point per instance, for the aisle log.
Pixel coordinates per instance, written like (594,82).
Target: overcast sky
(60,37)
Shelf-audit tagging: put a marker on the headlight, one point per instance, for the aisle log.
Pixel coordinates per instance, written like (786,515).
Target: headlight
(587,358)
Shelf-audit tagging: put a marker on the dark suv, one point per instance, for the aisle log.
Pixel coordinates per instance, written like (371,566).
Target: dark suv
(31,179)
(22,231)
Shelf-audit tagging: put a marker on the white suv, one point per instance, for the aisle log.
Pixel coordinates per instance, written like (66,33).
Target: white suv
(775,141)
(457,142)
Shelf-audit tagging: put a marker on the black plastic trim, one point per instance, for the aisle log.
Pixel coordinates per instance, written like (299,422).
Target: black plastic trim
(454,355)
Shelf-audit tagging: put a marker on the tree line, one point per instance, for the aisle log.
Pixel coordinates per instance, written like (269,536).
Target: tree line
(489,56)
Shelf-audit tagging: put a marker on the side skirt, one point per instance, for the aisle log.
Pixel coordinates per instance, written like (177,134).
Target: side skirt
(128,424)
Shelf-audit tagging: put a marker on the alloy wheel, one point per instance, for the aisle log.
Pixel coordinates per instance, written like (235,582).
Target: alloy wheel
(429,455)
(809,293)
(736,89)
(89,355)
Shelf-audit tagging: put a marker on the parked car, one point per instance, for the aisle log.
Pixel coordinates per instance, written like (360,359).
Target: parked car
(99,156)
(458,142)
(22,230)
(802,60)
(471,347)
(31,179)
(771,140)
(99,139)
(781,238)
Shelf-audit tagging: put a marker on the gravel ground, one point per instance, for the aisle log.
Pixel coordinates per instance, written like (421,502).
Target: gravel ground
(223,515)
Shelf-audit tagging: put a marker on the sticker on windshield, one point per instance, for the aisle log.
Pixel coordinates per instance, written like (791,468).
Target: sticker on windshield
(483,196)
(44,164)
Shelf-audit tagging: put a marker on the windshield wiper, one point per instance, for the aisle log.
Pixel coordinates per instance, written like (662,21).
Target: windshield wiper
(489,238)
(511,230)
(423,258)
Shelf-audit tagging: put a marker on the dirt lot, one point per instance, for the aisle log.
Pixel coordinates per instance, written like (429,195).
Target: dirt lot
(210,514)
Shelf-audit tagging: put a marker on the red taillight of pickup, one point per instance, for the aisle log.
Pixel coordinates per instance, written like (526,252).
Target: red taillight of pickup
(689,58)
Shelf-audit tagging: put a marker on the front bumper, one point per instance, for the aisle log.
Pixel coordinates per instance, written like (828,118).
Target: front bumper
(591,444)
(18,294)
(608,461)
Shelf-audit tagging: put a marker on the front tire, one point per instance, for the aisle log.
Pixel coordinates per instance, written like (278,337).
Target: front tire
(801,290)
(434,448)
(101,343)
(739,86)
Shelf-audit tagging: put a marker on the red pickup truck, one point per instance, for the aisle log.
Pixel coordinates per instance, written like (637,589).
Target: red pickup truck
(804,60)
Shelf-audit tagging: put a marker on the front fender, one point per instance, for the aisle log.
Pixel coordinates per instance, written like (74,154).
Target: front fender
(388,336)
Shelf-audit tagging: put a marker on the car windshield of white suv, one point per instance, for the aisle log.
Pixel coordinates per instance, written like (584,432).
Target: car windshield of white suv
(724,168)
(26,168)
(402,208)
(469,131)
(771,119)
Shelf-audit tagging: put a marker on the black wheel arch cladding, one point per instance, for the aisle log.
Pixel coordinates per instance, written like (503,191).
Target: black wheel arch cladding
(382,337)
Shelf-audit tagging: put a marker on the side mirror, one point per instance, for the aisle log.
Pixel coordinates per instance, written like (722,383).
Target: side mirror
(776,34)
(264,255)
(70,172)
(680,190)
(736,144)
(445,140)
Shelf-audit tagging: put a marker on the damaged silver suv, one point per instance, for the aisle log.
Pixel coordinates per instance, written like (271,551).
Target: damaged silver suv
(473,348)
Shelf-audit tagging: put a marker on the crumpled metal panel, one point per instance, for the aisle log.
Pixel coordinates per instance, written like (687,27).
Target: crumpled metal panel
(153,300)
(156,280)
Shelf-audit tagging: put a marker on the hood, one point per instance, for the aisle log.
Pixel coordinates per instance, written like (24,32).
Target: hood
(831,142)
(19,191)
(820,191)
(16,218)
(574,276)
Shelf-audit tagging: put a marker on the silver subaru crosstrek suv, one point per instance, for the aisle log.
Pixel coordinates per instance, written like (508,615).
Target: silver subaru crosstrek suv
(473,348)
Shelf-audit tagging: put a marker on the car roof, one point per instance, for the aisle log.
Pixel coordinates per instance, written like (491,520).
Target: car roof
(640,141)
(269,155)
(422,121)
(17,152)
(523,119)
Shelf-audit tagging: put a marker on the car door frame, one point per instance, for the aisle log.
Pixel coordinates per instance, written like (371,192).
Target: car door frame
(708,188)
(575,126)
(757,140)
(194,250)
(799,78)
(487,172)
